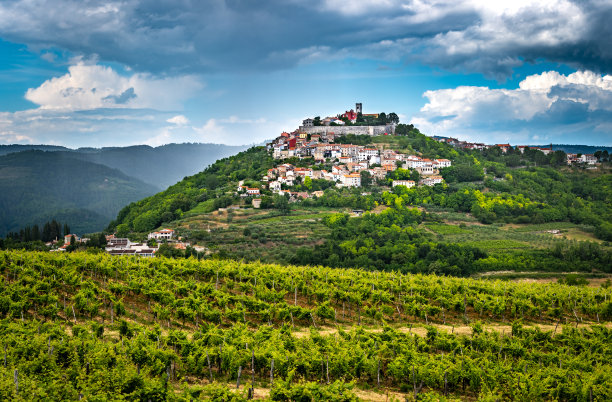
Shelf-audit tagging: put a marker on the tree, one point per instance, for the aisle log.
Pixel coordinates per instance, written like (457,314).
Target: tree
(393,118)
(366,178)
(316,121)
(308,183)
(558,158)
(382,118)
(597,154)
(66,229)
(123,230)
(281,203)
(35,233)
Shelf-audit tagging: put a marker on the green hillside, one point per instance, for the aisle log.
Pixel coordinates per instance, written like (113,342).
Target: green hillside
(159,166)
(37,186)
(497,212)
(90,326)
(210,185)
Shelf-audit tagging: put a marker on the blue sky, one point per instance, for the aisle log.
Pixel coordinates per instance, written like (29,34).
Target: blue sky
(129,72)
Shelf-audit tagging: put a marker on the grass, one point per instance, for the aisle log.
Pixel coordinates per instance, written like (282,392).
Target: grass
(270,236)
(580,235)
(501,244)
(443,229)
(255,234)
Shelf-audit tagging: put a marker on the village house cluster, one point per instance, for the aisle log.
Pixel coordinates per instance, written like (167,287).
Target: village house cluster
(67,241)
(123,246)
(587,159)
(348,162)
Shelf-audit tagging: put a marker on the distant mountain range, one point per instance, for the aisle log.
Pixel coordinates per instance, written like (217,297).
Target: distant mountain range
(87,187)
(578,149)
(37,186)
(160,166)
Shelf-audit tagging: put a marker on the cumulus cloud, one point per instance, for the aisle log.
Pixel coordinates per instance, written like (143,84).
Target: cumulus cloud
(486,36)
(91,86)
(546,106)
(179,120)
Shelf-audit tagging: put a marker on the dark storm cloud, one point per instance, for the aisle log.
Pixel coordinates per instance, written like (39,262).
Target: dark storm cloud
(239,35)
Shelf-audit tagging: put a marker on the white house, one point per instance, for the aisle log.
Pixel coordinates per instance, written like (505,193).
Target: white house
(366,154)
(432,180)
(589,159)
(425,170)
(442,163)
(164,234)
(274,186)
(407,183)
(351,180)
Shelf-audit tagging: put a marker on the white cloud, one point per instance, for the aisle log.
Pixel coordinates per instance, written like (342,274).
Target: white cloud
(360,7)
(547,105)
(237,120)
(179,120)
(91,86)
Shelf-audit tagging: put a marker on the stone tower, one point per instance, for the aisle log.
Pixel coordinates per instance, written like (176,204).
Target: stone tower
(358,108)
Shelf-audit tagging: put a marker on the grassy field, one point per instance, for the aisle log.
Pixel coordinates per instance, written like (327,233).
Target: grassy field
(255,234)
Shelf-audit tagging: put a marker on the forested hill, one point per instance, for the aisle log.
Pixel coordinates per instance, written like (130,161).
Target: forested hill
(159,166)
(206,187)
(493,212)
(10,149)
(37,186)
(578,149)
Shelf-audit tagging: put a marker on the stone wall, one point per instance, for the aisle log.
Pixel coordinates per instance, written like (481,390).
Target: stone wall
(343,130)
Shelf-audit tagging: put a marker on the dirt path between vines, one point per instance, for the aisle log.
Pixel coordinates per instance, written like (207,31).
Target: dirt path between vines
(459,330)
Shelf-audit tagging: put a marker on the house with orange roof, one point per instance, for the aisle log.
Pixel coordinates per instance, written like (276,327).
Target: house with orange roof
(351,180)
(164,234)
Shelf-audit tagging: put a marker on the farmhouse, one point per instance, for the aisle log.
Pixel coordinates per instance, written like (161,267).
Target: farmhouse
(164,234)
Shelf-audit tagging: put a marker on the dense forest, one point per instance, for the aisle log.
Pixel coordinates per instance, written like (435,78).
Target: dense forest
(38,186)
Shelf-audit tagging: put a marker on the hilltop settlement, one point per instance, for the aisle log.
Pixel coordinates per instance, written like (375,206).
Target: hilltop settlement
(345,155)
(348,163)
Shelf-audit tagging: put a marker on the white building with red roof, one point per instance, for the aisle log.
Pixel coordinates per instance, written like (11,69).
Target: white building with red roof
(164,234)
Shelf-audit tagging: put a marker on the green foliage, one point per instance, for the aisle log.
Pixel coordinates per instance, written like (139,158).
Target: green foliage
(38,186)
(461,172)
(226,312)
(212,183)
(573,280)
(337,391)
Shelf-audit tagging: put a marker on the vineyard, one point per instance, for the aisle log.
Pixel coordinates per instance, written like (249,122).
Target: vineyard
(91,326)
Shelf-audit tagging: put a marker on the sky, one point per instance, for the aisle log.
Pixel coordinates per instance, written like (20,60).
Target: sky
(85,73)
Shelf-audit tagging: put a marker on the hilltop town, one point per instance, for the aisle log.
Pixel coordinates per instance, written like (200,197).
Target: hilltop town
(348,164)
(349,155)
